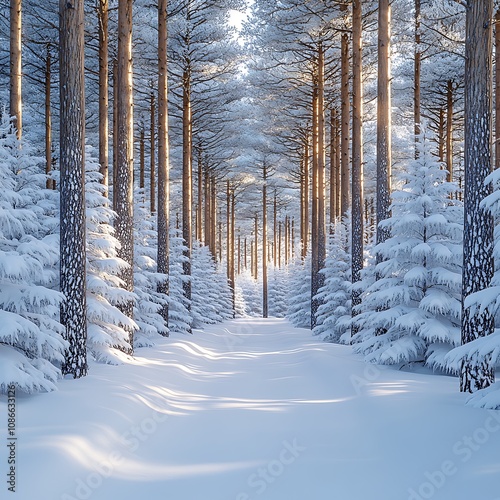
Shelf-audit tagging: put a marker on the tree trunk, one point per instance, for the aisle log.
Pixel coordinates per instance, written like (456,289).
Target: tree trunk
(152,158)
(16,66)
(417,64)
(318,237)
(115,128)
(199,212)
(304,237)
(124,223)
(208,223)
(142,159)
(102,18)
(279,244)
(357,154)
(334,169)
(383,120)
(72,164)
(187,181)
(213,215)
(265,301)
(449,131)
(497,89)
(163,216)
(344,96)
(49,183)
(286,241)
(477,373)
(275,226)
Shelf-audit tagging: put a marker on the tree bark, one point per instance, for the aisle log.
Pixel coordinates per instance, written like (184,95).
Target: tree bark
(449,130)
(124,223)
(265,299)
(497,89)
(357,155)
(417,64)
(152,156)
(187,181)
(163,215)
(102,19)
(72,164)
(383,120)
(199,212)
(16,66)
(142,159)
(49,183)
(344,112)
(477,373)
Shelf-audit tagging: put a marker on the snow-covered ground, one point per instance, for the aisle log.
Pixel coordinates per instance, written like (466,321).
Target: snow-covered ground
(252,409)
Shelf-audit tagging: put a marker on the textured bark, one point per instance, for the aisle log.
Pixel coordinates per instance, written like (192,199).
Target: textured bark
(305,188)
(357,152)
(115,128)
(124,195)
(344,112)
(206,188)
(497,89)
(199,206)
(49,183)
(72,164)
(417,65)
(187,180)
(275,225)
(279,243)
(265,301)
(102,19)
(449,130)
(16,65)
(286,241)
(334,169)
(477,373)
(256,247)
(142,159)
(383,120)
(213,215)
(163,214)
(233,225)
(318,234)
(441,135)
(152,155)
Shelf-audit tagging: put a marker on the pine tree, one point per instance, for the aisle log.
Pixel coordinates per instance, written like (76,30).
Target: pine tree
(108,328)
(299,299)
(334,315)
(31,343)
(415,300)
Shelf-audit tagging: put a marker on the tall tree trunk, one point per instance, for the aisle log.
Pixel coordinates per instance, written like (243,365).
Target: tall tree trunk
(478,372)
(383,120)
(318,240)
(344,112)
(142,159)
(417,64)
(304,226)
(213,215)
(16,66)
(275,225)
(232,275)
(279,244)
(152,156)
(208,223)
(187,181)
(441,136)
(49,183)
(72,163)
(497,89)
(449,130)
(265,298)
(199,212)
(124,223)
(357,155)
(115,128)
(102,18)
(334,169)
(256,247)
(163,216)
(286,241)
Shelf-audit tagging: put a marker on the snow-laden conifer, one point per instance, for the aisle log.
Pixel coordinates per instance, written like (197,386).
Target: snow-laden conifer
(149,301)
(31,345)
(334,314)
(412,310)
(299,298)
(108,328)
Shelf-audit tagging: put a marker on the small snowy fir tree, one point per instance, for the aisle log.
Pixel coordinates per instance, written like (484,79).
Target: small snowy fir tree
(149,302)
(278,291)
(334,314)
(299,297)
(31,343)
(487,347)
(251,294)
(108,328)
(211,295)
(412,311)
(179,316)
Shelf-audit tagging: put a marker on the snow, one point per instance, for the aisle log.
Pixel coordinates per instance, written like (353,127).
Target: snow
(249,409)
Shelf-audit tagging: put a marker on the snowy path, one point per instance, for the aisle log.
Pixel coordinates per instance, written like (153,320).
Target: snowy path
(253,409)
